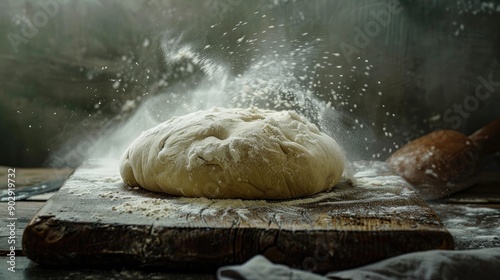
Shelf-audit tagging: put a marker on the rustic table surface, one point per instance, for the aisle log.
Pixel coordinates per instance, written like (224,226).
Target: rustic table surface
(472,217)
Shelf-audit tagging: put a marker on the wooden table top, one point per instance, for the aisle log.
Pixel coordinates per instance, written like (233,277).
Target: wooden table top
(472,217)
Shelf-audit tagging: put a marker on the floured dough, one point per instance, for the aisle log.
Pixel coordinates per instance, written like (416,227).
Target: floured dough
(234,153)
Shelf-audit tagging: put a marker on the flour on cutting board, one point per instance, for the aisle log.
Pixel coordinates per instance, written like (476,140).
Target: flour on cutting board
(168,231)
(369,196)
(372,192)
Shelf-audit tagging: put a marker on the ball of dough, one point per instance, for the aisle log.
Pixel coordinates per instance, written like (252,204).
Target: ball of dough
(234,153)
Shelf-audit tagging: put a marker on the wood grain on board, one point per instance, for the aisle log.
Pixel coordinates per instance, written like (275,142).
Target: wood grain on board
(96,220)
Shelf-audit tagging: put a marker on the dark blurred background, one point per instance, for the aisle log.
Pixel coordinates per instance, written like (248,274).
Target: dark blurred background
(72,71)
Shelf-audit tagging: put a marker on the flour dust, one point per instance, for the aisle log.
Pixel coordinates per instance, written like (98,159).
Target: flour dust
(266,69)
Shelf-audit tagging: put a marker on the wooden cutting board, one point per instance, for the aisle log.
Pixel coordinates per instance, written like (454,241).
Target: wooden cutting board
(96,220)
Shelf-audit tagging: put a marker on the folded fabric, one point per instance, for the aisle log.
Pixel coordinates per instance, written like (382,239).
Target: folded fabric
(259,268)
(435,264)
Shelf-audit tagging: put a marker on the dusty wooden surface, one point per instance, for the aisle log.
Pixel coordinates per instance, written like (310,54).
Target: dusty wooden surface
(457,218)
(26,177)
(470,229)
(96,220)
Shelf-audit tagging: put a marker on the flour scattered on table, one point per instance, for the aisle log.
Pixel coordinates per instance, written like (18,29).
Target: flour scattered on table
(471,227)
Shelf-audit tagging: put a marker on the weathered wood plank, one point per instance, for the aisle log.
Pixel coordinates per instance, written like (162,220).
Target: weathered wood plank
(95,220)
(25,211)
